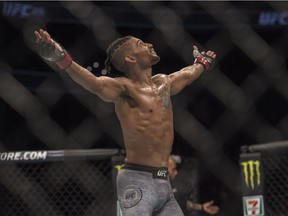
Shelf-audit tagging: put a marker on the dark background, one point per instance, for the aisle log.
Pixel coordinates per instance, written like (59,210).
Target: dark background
(243,101)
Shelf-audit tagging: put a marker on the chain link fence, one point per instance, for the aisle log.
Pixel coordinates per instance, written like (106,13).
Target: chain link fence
(275,176)
(244,100)
(58,187)
(72,182)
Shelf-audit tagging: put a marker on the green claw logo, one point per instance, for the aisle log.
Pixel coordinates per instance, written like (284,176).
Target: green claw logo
(251,170)
(118,167)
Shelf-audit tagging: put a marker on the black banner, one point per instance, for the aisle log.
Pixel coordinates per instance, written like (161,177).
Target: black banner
(252,174)
(252,184)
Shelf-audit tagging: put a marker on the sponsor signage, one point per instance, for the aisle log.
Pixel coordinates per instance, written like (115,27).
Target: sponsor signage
(23,156)
(202,19)
(32,156)
(272,18)
(253,206)
(22,10)
(251,172)
(252,178)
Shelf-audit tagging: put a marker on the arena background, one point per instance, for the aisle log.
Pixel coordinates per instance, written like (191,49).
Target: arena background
(243,101)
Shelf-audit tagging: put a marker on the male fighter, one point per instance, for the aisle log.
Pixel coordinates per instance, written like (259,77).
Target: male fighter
(143,107)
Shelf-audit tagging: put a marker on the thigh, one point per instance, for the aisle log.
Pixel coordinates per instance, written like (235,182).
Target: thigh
(171,208)
(135,194)
(140,209)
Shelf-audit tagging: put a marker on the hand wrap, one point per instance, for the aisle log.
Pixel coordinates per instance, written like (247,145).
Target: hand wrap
(207,61)
(53,52)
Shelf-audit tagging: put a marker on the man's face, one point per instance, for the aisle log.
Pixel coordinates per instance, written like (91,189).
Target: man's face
(144,51)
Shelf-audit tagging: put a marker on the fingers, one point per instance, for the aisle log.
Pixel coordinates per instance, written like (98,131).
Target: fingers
(38,37)
(211,54)
(209,203)
(208,53)
(47,37)
(42,36)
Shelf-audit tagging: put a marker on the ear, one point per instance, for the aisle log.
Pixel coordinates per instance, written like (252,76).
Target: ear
(129,58)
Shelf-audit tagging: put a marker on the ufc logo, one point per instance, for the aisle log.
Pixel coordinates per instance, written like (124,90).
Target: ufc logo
(162,173)
(22,10)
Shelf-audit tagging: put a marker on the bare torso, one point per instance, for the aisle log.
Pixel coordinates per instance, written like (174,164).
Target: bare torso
(143,106)
(145,114)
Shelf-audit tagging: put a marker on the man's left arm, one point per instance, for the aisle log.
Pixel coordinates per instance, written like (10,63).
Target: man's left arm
(180,79)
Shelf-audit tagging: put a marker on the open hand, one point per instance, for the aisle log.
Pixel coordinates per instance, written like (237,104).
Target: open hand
(196,53)
(209,208)
(206,59)
(47,47)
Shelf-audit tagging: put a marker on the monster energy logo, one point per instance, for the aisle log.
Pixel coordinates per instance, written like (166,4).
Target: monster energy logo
(251,170)
(119,167)
(119,212)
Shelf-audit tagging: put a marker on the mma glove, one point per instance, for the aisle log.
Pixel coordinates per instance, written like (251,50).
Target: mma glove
(53,52)
(208,62)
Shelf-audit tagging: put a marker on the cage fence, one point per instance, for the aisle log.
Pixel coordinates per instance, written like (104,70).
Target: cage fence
(242,101)
(270,175)
(59,183)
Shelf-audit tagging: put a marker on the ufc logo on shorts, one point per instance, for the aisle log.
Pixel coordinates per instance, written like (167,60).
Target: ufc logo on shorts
(162,173)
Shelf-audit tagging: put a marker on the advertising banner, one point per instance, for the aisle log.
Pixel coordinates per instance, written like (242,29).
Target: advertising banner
(252,178)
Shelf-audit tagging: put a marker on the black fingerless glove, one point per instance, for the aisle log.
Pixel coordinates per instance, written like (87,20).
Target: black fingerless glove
(53,52)
(207,61)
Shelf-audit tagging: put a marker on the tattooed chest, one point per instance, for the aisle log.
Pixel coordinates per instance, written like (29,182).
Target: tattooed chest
(163,96)
(151,98)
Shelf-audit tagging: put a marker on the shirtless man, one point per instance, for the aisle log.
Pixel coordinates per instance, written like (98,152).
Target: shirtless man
(143,107)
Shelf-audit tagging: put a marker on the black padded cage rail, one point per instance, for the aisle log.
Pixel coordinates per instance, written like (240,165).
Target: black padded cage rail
(272,176)
(57,183)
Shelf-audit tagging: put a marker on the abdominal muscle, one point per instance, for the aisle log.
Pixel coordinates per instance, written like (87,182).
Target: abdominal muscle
(148,135)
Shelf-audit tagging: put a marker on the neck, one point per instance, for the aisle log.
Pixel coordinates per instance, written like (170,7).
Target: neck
(141,76)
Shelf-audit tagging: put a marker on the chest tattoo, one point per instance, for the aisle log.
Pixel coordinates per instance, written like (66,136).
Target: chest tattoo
(165,96)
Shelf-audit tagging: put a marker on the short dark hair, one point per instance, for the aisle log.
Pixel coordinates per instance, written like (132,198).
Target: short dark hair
(112,49)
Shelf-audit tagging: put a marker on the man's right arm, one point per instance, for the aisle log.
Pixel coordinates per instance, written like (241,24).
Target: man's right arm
(106,88)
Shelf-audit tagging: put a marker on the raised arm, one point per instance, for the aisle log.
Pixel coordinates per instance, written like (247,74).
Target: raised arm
(106,88)
(185,76)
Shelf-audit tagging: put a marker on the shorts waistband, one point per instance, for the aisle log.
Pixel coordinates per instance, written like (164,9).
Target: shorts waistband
(157,172)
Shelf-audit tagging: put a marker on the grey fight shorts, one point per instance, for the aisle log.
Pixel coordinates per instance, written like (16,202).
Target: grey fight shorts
(146,191)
